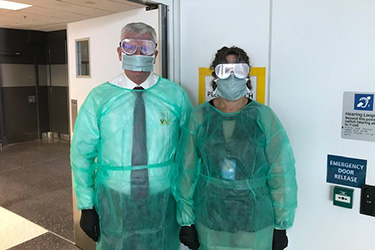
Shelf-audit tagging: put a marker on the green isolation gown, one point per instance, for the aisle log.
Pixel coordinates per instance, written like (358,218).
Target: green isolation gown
(236,178)
(101,162)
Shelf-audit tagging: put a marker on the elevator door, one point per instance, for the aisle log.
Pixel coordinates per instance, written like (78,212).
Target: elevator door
(24,81)
(20,112)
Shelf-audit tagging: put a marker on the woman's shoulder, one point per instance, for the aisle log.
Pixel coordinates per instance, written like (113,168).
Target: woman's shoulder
(201,107)
(260,107)
(200,111)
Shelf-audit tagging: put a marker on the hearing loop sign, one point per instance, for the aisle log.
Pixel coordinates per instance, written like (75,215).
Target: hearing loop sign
(358,116)
(364,102)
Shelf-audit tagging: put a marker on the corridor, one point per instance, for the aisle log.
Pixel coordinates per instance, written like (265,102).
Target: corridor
(36,196)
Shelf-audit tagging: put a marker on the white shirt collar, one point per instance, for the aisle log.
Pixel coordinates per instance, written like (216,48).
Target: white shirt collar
(124,82)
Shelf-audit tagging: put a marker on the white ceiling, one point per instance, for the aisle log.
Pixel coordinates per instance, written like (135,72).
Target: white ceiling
(50,15)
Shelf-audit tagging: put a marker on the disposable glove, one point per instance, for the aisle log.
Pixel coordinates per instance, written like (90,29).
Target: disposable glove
(280,240)
(90,223)
(189,237)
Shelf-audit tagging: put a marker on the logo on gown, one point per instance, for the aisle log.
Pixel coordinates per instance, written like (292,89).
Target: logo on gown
(164,118)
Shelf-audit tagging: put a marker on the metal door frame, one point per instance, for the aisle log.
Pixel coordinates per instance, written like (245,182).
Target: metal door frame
(2,138)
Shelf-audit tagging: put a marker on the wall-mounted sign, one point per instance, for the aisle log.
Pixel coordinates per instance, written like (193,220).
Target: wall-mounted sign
(358,116)
(346,171)
(258,82)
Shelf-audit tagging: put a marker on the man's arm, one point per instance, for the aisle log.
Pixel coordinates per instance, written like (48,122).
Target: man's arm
(187,173)
(84,152)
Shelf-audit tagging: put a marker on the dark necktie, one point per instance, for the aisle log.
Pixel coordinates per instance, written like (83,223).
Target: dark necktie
(139,178)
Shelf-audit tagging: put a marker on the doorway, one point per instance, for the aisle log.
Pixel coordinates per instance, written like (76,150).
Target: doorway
(33,85)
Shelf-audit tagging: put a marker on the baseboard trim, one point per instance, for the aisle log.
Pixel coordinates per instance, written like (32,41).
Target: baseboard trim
(55,135)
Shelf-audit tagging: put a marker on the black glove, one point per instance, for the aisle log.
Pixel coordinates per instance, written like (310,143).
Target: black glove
(90,223)
(280,240)
(189,237)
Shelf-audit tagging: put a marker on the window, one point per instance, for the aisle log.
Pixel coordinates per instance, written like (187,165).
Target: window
(83,58)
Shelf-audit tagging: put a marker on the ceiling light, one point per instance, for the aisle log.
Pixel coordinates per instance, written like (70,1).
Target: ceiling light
(13,5)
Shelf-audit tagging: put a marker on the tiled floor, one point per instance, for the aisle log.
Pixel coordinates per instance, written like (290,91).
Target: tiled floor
(36,196)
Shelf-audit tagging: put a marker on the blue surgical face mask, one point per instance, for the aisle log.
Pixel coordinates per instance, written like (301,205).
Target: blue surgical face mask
(231,88)
(138,62)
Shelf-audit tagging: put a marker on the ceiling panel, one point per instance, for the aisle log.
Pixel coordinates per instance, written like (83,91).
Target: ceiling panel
(49,15)
(103,5)
(54,13)
(51,27)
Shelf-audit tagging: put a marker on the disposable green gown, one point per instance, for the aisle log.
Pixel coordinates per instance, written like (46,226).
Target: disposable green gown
(236,178)
(101,163)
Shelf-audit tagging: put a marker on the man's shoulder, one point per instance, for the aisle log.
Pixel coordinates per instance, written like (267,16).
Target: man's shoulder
(165,81)
(169,85)
(171,92)
(106,86)
(102,92)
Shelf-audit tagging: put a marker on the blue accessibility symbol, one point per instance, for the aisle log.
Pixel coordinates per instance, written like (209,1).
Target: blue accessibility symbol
(364,102)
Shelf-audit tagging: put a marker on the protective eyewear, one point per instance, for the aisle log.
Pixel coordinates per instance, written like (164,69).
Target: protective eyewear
(240,70)
(130,46)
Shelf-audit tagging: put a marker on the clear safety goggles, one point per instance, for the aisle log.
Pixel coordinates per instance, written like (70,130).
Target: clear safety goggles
(130,46)
(240,70)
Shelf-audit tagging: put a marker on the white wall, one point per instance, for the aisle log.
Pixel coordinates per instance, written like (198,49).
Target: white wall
(319,49)
(104,34)
(208,25)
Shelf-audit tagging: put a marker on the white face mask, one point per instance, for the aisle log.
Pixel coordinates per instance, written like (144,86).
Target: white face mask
(231,88)
(138,62)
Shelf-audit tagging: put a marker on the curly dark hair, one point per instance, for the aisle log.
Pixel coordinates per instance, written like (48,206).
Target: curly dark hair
(220,57)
